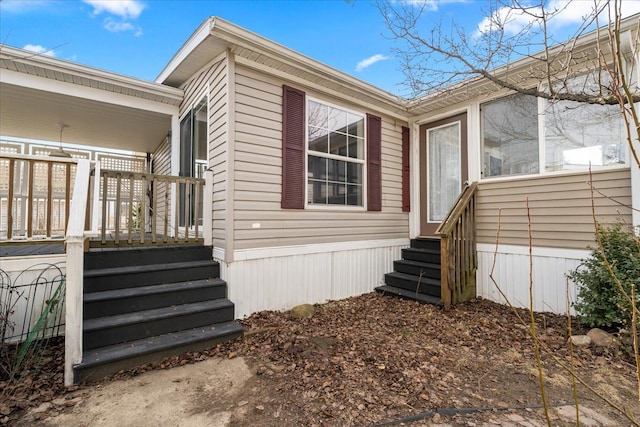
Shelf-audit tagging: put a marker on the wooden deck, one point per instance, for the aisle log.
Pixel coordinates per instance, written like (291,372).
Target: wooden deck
(11,249)
(49,247)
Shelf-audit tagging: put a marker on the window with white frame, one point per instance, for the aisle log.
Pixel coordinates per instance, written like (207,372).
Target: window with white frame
(576,135)
(510,136)
(335,155)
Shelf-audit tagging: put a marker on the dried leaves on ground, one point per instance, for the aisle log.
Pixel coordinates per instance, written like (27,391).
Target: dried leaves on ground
(374,358)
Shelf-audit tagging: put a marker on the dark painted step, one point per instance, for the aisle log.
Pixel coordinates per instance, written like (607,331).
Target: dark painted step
(416,268)
(119,278)
(105,331)
(423,243)
(125,257)
(120,301)
(392,290)
(410,283)
(108,360)
(430,256)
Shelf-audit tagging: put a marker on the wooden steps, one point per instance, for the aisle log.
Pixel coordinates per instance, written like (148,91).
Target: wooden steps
(417,275)
(145,304)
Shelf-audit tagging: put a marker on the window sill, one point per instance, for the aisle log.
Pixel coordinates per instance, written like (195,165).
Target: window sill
(599,170)
(339,208)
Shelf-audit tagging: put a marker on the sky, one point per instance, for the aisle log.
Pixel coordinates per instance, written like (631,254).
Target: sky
(138,38)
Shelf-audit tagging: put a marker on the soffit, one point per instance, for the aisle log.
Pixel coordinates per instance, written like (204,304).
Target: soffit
(35,114)
(42,66)
(37,93)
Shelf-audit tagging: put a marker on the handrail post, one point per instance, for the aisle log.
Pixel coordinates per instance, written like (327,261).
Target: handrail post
(96,210)
(207,208)
(74,271)
(445,291)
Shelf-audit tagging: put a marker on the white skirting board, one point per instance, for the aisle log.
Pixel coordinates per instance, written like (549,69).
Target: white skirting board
(311,276)
(550,269)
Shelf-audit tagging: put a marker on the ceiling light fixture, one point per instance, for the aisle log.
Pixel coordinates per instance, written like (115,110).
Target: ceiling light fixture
(60,152)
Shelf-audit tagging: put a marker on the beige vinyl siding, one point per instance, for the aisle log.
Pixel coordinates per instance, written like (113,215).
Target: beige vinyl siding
(162,166)
(213,82)
(560,208)
(259,220)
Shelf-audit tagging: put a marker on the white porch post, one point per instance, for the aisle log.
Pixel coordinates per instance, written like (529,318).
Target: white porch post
(73,301)
(74,271)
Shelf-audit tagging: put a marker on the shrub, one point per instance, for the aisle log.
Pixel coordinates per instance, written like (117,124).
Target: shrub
(600,302)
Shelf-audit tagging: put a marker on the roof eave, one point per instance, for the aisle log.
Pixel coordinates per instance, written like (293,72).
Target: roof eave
(230,35)
(55,65)
(478,83)
(198,36)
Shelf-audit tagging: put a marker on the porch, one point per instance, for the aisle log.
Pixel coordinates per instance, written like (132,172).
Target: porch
(90,183)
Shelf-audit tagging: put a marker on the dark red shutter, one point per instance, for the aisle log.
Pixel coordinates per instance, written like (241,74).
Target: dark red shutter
(293,106)
(374,163)
(406,194)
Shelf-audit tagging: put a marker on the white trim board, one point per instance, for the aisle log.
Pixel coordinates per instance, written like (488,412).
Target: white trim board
(537,251)
(283,251)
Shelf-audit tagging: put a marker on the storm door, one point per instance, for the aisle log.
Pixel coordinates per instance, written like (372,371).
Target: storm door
(443,169)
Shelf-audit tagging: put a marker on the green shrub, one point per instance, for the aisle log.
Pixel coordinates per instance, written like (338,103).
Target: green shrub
(600,302)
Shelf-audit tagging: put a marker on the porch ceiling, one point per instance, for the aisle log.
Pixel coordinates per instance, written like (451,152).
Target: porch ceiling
(30,113)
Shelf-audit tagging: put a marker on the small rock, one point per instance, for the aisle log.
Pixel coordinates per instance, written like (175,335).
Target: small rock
(42,408)
(259,408)
(600,337)
(302,311)
(242,403)
(580,340)
(73,402)
(59,402)
(232,355)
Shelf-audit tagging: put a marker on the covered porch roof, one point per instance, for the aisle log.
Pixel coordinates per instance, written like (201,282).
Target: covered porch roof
(102,109)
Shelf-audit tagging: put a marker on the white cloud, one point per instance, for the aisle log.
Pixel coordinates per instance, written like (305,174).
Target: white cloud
(36,48)
(23,6)
(370,61)
(567,13)
(432,5)
(117,27)
(126,9)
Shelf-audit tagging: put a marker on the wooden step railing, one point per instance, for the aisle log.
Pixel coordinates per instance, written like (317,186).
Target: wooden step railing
(459,259)
(136,208)
(35,195)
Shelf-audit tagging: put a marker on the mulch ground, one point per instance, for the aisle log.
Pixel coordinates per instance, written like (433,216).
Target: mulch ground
(374,358)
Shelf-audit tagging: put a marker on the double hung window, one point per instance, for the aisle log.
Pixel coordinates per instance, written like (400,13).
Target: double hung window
(335,155)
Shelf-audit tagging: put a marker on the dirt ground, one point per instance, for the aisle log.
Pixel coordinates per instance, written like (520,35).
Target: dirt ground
(367,360)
